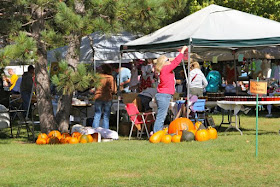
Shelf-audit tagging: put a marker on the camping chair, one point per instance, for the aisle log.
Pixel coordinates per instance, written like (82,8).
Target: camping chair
(25,121)
(198,111)
(10,110)
(138,118)
(4,110)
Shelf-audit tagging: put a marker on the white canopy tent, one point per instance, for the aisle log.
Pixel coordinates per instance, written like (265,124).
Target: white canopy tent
(106,49)
(212,29)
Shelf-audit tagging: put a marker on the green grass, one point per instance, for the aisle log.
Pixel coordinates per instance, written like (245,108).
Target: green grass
(227,161)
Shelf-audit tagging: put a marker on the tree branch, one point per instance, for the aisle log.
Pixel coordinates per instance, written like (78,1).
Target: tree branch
(28,23)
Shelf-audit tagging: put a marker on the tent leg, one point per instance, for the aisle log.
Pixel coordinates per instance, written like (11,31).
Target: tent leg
(188,78)
(119,97)
(235,72)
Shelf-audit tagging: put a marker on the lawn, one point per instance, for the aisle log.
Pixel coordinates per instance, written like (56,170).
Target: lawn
(227,161)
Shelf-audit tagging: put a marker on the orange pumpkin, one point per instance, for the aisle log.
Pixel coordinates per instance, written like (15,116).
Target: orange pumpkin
(84,139)
(212,132)
(166,138)
(73,140)
(176,138)
(76,135)
(197,124)
(156,137)
(90,138)
(41,141)
(43,136)
(193,131)
(180,124)
(165,130)
(54,133)
(65,138)
(65,134)
(53,140)
(202,135)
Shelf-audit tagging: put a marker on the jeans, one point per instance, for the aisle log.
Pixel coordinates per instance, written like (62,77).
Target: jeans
(99,106)
(163,101)
(25,101)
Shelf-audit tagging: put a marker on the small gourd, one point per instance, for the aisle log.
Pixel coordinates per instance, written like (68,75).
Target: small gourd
(43,136)
(41,141)
(156,137)
(84,139)
(54,133)
(166,138)
(212,132)
(53,140)
(187,136)
(202,135)
(176,138)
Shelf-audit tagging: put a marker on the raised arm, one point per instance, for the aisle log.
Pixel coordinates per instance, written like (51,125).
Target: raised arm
(177,60)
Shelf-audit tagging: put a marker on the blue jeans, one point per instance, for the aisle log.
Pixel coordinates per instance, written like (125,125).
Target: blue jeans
(99,106)
(25,96)
(163,101)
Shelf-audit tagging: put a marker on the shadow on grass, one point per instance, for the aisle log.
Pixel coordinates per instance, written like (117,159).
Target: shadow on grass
(246,131)
(23,138)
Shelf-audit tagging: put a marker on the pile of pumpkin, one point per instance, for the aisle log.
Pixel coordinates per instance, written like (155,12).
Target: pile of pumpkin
(55,137)
(183,129)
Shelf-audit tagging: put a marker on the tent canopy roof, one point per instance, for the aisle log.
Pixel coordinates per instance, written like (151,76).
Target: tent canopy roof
(212,27)
(106,49)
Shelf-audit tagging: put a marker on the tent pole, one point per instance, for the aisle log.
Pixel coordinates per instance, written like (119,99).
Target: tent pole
(185,73)
(94,65)
(118,94)
(188,77)
(235,72)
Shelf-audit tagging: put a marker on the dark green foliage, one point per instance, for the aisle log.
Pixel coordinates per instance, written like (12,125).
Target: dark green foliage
(23,50)
(69,80)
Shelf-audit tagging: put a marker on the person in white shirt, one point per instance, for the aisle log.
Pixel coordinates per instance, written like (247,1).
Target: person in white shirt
(197,80)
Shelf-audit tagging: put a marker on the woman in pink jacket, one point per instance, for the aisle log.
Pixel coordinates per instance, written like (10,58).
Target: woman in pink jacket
(166,87)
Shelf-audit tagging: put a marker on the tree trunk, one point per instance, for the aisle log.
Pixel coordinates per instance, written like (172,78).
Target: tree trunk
(72,58)
(64,103)
(63,112)
(43,91)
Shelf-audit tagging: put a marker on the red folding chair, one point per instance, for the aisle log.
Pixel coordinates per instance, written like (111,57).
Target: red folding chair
(137,117)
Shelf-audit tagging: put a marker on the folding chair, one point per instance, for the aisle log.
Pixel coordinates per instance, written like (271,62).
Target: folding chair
(199,112)
(139,118)
(11,112)
(25,121)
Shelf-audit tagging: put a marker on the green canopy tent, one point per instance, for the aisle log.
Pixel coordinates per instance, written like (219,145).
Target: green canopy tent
(214,28)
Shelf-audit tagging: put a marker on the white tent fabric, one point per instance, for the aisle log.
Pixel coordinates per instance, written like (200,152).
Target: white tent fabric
(213,26)
(107,49)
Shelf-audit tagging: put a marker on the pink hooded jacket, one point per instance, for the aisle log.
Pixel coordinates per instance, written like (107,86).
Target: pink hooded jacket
(167,77)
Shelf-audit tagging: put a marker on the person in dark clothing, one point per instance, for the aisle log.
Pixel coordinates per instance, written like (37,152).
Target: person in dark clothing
(26,87)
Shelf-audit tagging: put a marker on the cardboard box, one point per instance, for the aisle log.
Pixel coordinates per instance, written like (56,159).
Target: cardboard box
(129,97)
(132,98)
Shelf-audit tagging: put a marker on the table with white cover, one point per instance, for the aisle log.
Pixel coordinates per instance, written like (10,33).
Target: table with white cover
(237,106)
